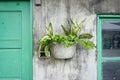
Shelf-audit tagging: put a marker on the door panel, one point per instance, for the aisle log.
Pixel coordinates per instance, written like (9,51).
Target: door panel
(10,63)
(10,29)
(15,40)
(10,23)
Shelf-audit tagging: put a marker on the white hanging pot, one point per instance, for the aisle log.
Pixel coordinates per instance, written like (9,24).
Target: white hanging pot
(60,52)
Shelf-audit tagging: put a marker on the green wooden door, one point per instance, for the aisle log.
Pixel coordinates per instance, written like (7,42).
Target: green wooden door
(15,41)
(108,39)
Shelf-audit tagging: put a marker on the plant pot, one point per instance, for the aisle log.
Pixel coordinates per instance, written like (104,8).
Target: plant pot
(60,52)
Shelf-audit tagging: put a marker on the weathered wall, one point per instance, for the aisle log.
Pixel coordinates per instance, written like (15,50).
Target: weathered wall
(83,65)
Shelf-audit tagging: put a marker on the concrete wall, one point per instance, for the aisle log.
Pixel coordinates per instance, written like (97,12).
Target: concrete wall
(83,65)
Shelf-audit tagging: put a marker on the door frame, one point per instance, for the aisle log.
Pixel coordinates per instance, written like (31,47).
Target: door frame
(99,42)
(31,49)
(30,42)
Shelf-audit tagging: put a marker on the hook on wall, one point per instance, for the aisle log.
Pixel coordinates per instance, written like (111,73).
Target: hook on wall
(38,2)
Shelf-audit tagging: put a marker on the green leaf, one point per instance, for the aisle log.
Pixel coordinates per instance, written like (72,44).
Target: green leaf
(49,29)
(70,25)
(75,30)
(70,21)
(44,40)
(85,36)
(39,49)
(87,44)
(47,52)
(68,44)
(81,24)
(65,31)
(75,27)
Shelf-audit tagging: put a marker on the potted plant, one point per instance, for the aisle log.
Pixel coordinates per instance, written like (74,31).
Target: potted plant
(64,46)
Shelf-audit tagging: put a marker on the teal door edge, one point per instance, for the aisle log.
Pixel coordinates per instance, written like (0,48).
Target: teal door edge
(31,23)
(99,73)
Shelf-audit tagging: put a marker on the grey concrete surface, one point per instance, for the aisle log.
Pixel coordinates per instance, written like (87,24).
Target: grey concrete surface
(83,65)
